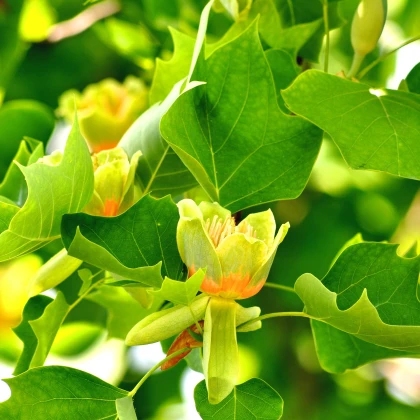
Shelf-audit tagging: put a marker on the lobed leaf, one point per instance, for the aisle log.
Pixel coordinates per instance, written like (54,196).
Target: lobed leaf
(53,190)
(60,392)
(135,245)
(226,130)
(180,292)
(370,293)
(252,400)
(374,129)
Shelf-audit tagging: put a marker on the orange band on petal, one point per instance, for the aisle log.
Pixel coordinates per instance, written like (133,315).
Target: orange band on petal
(111,208)
(234,286)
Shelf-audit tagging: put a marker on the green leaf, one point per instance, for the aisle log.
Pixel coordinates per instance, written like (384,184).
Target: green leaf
(226,130)
(252,400)
(19,119)
(42,318)
(180,292)
(413,79)
(284,69)
(170,72)
(125,409)
(74,338)
(13,185)
(53,190)
(371,293)
(61,392)
(123,310)
(160,170)
(86,276)
(294,38)
(298,12)
(374,129)
(339,351)
(135,244)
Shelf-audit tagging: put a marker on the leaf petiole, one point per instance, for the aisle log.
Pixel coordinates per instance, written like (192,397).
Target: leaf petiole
(327,34)
(279,286)
(157,366)
(275,315)
(369,67)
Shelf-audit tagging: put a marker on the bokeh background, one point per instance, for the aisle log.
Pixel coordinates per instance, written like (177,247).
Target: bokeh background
(50,46)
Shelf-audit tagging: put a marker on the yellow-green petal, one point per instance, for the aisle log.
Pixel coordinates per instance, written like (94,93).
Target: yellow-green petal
(262,274)
(240,258)
(209,210)
(194,244)
(264,226)
(220,352)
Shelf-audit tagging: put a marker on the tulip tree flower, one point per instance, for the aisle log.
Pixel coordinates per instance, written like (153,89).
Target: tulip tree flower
(105,110)
(237,259)
(115,188)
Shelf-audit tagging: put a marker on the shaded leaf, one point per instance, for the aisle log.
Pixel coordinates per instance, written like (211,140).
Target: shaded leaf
(123,310)
(252,400)
(134,245)
(61,392)
(160,170)
(19,119)
(225,130)
(284,70)
(413,79)
(339,351)
(374,129)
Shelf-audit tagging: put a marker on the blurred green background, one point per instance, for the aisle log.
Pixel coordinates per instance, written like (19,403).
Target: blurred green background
(122,38)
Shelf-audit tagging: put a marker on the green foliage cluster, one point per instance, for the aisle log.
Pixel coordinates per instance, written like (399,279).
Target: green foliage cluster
(244,115)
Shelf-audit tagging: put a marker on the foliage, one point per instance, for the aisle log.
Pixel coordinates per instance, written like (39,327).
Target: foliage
(196,129)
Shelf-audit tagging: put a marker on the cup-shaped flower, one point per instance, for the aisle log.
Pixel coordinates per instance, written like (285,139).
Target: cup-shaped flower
(105,110)
(238,258)
(115,187)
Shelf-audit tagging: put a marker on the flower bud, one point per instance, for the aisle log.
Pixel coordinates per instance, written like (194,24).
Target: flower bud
(115,187)
(238,258)
(368,23)
(53,272)
(167,323)
(105,110)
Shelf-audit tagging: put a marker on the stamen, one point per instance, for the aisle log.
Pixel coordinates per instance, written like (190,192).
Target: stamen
(219,229)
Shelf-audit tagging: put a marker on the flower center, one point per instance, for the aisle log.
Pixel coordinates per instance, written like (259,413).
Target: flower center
(218,229)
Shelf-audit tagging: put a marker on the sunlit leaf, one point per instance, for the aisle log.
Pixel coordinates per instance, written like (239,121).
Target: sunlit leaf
(61,392)
(53,190)
(252,400)
(125,409)
(180,292)
(374,129)
(42,318)
(227,129)
(371,293)
(169,73)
